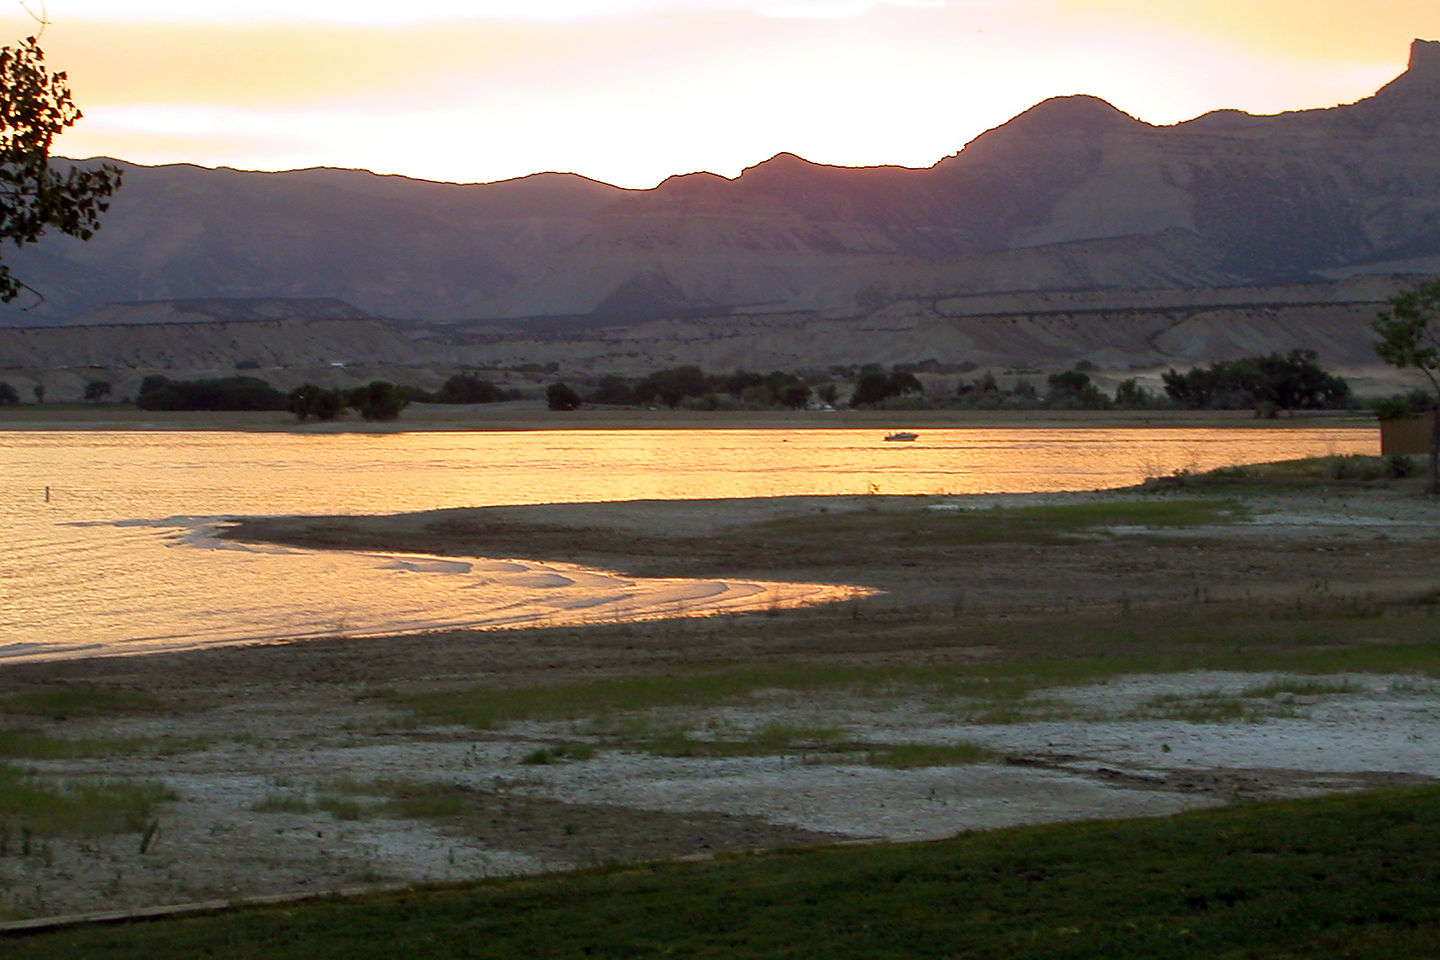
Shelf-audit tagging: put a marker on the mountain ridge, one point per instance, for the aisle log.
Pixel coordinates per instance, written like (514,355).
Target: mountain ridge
(1070,195)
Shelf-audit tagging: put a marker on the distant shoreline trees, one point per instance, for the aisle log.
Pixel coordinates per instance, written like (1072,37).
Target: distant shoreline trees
(689,386)
(1270,383)
(225,393)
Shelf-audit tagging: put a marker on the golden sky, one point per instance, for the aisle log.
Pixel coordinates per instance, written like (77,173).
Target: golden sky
(632,91)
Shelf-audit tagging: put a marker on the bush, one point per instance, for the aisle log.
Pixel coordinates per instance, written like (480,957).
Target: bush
(1072,390)
(468,388)
(1292,381)
(8,396)
(614,389)
(875,386)
(1400,466)
(559,396)
(310,400)
(378,400)
(228,393)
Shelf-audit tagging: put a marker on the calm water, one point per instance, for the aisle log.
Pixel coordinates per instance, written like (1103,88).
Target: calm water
(118,560)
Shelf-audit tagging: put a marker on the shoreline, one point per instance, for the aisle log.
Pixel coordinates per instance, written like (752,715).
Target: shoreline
(532,416)
(289,766)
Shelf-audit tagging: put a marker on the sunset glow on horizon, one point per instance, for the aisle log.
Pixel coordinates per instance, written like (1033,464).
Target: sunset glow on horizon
(633,91)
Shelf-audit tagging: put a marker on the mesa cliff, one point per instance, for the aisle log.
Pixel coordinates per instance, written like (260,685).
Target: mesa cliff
(1134,243)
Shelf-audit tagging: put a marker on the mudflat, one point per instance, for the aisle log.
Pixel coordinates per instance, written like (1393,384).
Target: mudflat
(1026,658)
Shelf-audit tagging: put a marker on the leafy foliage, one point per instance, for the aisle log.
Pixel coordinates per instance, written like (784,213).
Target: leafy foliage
(613,389)
(226,393)
(1409,338)
(378,400)
(35,106)
(1293,381)
(560,396)
(8,396)
(876,386)
(673,385)
(1409,331)
(468,388)
(1073,389)
(309,400)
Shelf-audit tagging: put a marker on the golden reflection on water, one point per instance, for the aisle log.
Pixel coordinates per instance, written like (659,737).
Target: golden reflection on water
(110,560)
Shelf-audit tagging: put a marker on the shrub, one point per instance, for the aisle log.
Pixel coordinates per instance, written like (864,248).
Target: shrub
(559,396)
(228,393)
(310,400)
(378,400)
(468,388)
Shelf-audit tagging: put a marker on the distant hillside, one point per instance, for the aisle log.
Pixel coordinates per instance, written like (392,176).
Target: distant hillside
(1071,195)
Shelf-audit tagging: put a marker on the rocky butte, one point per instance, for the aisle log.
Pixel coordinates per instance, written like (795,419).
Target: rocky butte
(1072,232)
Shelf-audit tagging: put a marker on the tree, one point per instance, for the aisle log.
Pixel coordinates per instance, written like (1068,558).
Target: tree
(559,396)
(1292,381)
(35,106)
(378,400)
(309,400)
(468,388)
(226,393)
(875,386)
(96,390)
(1129,395)
(1072,389)
(1409,338)
(673,385)
(8,396)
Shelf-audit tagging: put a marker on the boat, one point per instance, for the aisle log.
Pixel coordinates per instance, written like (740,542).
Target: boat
(901,435)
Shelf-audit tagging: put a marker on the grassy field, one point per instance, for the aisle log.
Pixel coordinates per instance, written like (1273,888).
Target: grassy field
(1351,876)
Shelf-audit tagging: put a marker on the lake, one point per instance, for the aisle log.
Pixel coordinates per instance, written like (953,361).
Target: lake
(109,548)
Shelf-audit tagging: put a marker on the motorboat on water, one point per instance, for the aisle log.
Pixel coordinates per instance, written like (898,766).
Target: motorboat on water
(901,435)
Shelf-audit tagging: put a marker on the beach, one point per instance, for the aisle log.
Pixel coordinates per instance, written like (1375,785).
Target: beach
(259,745)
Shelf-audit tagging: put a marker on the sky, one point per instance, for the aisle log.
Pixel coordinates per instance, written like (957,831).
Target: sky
(633,91)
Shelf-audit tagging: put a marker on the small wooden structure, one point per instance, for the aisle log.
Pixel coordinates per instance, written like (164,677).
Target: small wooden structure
(1406,435)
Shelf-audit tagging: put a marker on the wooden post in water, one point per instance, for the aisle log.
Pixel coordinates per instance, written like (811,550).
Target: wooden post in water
(47,493)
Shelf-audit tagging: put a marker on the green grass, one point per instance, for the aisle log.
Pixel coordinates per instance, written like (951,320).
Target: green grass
(29,805)
(1040,524)
(1354,876)
(1309,687)
(345,798)
(818,745)
(1210,707)
(65,703)
(994,692)
(28,745)
(1309,469)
